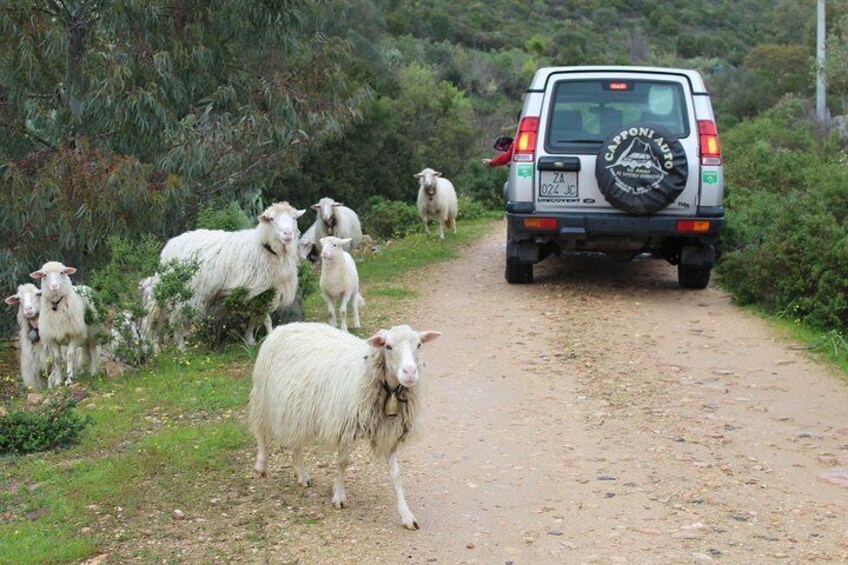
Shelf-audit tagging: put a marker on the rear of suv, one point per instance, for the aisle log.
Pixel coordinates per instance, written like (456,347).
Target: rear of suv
(619,160)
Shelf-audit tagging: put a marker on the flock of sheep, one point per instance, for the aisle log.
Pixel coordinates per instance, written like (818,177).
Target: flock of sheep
(312,383)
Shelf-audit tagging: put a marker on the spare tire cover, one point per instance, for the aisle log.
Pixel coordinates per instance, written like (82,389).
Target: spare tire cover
(641,168)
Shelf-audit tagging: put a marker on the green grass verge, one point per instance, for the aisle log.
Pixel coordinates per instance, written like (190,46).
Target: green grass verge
(166,436)
(831,347)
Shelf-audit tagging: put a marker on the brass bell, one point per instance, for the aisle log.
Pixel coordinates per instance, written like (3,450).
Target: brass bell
(391,408)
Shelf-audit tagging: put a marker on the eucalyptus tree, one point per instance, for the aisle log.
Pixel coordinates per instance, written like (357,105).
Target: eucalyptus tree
(118,118)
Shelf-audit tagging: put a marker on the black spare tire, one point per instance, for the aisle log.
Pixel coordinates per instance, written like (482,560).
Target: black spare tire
(641,168)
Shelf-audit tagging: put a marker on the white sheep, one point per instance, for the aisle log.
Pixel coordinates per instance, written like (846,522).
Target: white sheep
(316,385)
(436,200)
(336,219)
(62,322)
(257,259)
(339,280)
(307,244)
(153,321)
(32,350)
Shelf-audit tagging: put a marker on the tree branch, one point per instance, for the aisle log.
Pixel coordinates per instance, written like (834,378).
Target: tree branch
(29,134)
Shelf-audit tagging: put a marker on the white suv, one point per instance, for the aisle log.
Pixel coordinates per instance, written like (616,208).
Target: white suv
(619,160)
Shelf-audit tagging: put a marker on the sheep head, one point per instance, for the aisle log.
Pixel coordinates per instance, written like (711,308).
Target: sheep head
(326,211)
(55,277)
(400,346)
(28,297)
(427,180)
(280,220)
(333,247)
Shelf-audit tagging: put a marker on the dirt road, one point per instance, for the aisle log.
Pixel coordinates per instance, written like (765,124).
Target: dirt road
(600,415)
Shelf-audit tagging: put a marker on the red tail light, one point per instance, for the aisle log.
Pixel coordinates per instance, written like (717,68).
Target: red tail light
(540,223)
(693,226)
(710,148)
(525,143)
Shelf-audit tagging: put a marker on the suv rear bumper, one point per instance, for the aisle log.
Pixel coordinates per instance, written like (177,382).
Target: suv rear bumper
(584,226)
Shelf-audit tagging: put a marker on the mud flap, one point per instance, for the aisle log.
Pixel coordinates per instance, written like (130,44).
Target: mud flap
(702,256)
(522,251)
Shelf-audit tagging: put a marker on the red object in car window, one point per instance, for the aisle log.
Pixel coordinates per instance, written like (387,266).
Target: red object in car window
(504,158)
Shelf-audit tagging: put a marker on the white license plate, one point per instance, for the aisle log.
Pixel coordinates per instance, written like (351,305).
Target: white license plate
(558,186)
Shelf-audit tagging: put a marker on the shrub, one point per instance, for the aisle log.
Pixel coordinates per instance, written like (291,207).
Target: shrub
(786,243)
(53,424)
(390,218)
(484,185)
(117,297)
(229,318)
(229,218)
(307,285)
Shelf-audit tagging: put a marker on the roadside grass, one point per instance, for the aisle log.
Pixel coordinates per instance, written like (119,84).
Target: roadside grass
(831,347)
(170,436)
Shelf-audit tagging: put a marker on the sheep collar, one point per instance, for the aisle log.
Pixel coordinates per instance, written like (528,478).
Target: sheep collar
(331,225)
(269,250)
(55,305)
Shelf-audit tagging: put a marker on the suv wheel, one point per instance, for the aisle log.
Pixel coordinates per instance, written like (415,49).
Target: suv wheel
(518,273)
(693,277)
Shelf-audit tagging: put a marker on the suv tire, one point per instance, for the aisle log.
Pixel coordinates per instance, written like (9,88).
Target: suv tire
(518,273)
(693,277)
(641,168)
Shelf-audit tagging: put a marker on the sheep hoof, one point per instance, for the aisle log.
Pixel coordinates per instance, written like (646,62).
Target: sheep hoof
(307,483)
(261,474)
(411,526)
(339,504)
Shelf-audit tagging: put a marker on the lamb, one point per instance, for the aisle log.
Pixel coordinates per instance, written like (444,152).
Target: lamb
(339,280)
(33,352)
(62,321)
(257,259)
(436,200)
(317,385)
(336,219)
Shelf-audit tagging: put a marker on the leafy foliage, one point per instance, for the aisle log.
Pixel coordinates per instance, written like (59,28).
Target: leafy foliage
(52,424)
(229,218)
(786,243)
(390,218)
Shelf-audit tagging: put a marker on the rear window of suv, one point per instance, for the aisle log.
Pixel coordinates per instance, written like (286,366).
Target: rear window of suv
(585,112)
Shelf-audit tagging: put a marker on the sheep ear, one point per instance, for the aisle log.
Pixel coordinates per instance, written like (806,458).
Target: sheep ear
(69,270)
(378,339)
(336,204)
(346,240)
(316,206)
(437,174)
(418,175)
(37,275)
(263,217)
(299,213)
(14,299)
(427,337)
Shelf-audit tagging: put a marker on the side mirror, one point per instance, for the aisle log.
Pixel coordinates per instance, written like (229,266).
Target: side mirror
(502,143)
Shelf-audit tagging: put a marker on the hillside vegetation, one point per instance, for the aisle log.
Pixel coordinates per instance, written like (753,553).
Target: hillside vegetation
(127,119)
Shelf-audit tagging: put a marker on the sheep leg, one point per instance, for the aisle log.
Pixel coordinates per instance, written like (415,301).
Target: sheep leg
(299,467)
(343,310)
(70,361)
(426,225)
(343,459)
(93,356)
(441,229)
(269,326)
(406,515)
(356,299)
(331,309)
(29,365)
(55,378)
(249,338)
(261,453)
